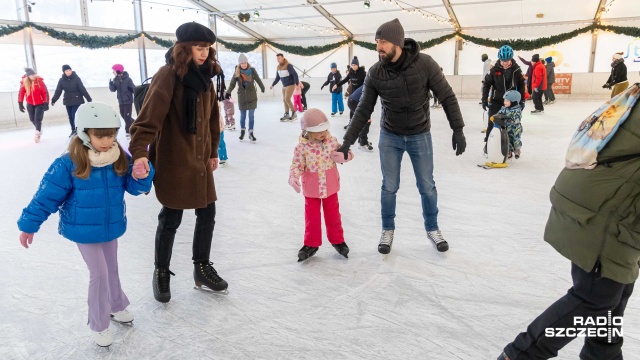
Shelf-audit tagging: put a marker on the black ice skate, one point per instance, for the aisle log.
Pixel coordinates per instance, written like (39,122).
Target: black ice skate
(342,249)
(251,137)
(285,117)
(366,146)
(205,275)
(386,240)
(306,252)
(161,289)
(241,134)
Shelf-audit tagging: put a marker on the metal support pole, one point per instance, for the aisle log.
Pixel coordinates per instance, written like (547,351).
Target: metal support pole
(142,53)
(265,72)
(84,13)
(350,52)
(29,52)
(592,56)
(456,60)
(213,24)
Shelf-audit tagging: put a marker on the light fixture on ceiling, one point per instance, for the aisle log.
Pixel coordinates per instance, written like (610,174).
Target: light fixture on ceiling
(256,14)
(367,4)
(244,17)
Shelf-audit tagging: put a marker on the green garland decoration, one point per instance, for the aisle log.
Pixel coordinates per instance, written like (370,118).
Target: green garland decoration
(97,41)
(240,48)
(307,51)
(8,30)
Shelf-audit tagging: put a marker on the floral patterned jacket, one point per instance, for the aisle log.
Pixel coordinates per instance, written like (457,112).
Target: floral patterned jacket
(312,160)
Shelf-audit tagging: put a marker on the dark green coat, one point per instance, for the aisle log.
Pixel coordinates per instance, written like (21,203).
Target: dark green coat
(595,214)
(247,97)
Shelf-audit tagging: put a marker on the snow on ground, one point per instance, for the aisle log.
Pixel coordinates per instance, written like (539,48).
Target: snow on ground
(414,303)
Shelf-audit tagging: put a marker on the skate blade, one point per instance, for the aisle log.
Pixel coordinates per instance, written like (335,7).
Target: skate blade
(129,323)
(206,289)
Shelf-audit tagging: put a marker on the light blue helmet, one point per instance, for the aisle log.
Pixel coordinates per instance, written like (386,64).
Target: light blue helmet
(95,115)
(513,96)
(505,53)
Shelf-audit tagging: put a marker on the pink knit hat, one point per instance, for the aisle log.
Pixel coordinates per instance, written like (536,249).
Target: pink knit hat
(314,120)
(118,67)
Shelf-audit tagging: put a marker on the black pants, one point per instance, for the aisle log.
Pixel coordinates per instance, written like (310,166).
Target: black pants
(36,114)
(169,221)
(548,94)
(537,99)
(494,107)
(363,136)
(304,92)
(71,112)
(591,296)
(125,112)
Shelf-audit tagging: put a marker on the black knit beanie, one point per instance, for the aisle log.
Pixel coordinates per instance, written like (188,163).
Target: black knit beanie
(391,31)
(535,58)
(192,31)
(65,67)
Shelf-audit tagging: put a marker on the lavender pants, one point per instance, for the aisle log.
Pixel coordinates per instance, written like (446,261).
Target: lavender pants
(105,294)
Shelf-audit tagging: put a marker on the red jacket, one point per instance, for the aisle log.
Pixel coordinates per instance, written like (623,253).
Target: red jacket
(39,94)
(539,76)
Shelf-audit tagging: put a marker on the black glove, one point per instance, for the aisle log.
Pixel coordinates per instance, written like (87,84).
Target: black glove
(458,141)
(21,106)
(89,100)
(263,91)
(522,105)
(606,86)
(321,87)
(53,103)
(45,106)
(227,96)
(485,106)
(344,148)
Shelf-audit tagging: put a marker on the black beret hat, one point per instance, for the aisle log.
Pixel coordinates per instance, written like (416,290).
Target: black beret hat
(192,31)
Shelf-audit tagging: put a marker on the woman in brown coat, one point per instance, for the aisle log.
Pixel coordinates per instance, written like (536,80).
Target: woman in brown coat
(180,120)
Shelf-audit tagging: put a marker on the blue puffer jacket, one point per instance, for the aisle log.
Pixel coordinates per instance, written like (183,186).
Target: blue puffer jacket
(91,210)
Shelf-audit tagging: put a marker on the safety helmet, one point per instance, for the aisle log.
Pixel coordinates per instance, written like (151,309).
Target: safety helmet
(505,53)
(95,115)
(513,96)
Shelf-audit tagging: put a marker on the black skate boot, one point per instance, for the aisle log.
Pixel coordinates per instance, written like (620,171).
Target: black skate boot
(306,252)
(161,290)
(205,275)
(386,241)
(438,240)
(251,137)
(241,134)
(342,249)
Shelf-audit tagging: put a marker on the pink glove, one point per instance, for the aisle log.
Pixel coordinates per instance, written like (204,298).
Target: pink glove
(26,239)
(339,157)
(139,171)
(295,184)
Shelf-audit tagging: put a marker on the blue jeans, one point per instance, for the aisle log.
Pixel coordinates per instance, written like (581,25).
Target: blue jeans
(243,118)
(420,149)
(71,112)
(222,148)
(336,102)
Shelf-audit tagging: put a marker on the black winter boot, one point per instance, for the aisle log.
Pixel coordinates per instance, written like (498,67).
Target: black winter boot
(205,275)
(161,290)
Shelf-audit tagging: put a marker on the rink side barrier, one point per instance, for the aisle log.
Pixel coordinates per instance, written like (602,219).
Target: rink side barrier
(585,86)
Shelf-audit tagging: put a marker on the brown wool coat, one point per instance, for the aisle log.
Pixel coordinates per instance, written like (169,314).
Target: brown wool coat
(183,179)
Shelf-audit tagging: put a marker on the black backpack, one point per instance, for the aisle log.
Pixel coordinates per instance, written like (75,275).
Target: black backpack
(139,93)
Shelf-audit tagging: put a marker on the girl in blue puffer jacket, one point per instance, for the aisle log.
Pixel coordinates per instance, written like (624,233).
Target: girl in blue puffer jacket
(87,186)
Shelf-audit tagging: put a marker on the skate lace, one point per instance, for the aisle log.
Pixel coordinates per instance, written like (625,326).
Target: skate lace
(387,237)
(210,273)
(163,279)
(435,236)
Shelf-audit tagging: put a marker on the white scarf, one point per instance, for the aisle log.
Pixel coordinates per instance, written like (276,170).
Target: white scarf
(102,159)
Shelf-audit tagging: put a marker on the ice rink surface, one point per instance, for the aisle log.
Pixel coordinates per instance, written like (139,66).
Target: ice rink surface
(414,303)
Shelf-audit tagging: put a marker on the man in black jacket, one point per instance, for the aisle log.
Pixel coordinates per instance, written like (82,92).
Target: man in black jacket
(402,79)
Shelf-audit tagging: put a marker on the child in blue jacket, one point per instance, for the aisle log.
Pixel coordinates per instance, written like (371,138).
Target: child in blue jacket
(87,186)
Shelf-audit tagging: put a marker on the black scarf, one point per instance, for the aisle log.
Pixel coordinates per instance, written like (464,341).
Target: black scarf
(196,81)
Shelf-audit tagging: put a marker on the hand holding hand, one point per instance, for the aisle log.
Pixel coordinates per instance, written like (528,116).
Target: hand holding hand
(295,184)
(139,171)
(143,167)
(227,96)
(344,149)
(26,239)
(339,157)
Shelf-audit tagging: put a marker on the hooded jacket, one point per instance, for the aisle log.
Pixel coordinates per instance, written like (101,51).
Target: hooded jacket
(39,94)
(312,161)
(355,78)
(123,87)
(404,95)
(539,76)
(74,90)
(287,74)
(551,72)
(503,80)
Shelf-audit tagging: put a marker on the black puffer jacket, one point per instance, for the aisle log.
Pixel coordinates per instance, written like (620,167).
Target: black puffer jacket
(356,78)
(503,80)
(404,95)
(123,87)
(73,90)
(618,73)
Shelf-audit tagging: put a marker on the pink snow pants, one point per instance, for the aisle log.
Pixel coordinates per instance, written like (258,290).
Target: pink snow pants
(313,222)
(297,103)
(105,294)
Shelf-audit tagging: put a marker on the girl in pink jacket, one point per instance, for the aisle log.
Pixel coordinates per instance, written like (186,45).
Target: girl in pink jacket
(314,159)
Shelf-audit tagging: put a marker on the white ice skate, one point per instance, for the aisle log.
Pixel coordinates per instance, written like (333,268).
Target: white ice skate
(123,317)
(36,137)
(102,338)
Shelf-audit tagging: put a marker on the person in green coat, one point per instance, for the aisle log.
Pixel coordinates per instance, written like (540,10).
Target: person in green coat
(244,77)
(595,223)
